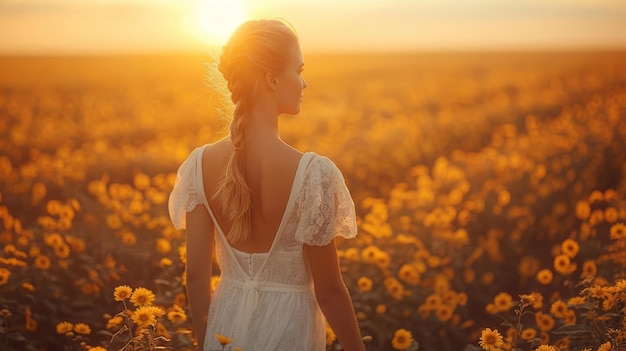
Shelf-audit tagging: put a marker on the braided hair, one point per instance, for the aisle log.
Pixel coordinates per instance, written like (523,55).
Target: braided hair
(254,49)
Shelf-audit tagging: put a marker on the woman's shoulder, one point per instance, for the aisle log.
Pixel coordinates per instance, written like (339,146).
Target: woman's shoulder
(323,165)
(215,154)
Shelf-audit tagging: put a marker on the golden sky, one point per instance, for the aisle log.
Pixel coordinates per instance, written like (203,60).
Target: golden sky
(138,26)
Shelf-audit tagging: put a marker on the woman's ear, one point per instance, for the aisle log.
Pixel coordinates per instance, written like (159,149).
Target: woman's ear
(270,81)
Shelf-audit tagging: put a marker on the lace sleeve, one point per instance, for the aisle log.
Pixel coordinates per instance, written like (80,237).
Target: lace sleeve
(185,196)
(325,205)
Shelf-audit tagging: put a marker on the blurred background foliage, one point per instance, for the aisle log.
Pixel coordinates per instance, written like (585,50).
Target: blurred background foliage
(476,177)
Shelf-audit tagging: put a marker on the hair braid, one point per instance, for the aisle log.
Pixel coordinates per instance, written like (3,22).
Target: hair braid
(234,193)
(254,48)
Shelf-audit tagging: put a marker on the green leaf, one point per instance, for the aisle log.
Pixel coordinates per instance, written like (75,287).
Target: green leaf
(610,315)
(16,336)
(507,324)
(573,329)
(162,282)
(104,332)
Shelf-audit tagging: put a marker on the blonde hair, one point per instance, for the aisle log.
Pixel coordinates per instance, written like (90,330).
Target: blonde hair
(254,49)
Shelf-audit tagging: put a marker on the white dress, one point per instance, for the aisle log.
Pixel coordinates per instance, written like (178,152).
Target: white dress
(266,301)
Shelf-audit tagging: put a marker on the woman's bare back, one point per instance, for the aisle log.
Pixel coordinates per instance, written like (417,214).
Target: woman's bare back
(269,172)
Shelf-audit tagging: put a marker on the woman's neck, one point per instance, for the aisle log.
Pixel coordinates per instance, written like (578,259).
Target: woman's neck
(263,128)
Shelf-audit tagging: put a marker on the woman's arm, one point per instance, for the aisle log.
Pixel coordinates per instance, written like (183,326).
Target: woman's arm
(199,263)
(332,295)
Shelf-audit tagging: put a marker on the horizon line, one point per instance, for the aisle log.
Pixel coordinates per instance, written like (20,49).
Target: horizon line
(194,52)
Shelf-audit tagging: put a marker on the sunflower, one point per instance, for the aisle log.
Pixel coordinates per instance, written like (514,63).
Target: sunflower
(176,314)
(364,284)
(596,291)
(62,251)
(27,286)
(570,317)
(53,207)
(114,221)
(142,297)
(223,340)
(330,335)
(462,298)
(380,309)
(163,246)
(144,316)
(180,299)
(31,324)
(609,302)
(544,321)
(605,347)
(491,340)
(544,276)
(611,214)
(444,312)
(528,334)
(383,259)
(64,327)
(215,280)
(4,276)
(618,231)
(122,292)
(157,311)
(370,253)
(394,287)
(408,273)
(528,266)
(503,302)
(491,308)
(141,181)
(42,262)
(596,217)
(432,301)
(563,265)
(53,239)
(576,300)
(527,299)
(559,309)
(589,269)
(97,348)
(82,328)
(128,238)
(165,262)
(402,339)
(352,254)
(469,275)
(114,322)
(583,209)
(570,248)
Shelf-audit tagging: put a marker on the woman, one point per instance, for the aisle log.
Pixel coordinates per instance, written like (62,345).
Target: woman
(270,211)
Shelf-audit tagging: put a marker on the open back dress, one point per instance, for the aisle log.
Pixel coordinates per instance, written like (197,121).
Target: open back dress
(266,301)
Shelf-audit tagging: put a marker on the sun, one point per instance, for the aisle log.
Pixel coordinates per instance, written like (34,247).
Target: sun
(213,21)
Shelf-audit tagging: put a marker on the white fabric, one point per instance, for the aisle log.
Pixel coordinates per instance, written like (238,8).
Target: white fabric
(265,301)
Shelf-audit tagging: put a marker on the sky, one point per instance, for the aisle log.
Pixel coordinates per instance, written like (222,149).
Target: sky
(44,27)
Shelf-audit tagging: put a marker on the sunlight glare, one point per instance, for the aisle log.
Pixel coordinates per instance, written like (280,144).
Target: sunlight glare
(214,20)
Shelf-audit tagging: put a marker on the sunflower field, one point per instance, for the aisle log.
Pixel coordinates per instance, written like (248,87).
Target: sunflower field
(490,190)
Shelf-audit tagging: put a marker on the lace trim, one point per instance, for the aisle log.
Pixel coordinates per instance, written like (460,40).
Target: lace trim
(325,206)
(184,196)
